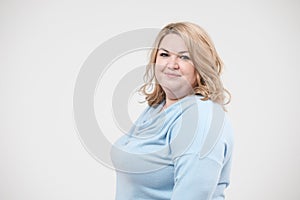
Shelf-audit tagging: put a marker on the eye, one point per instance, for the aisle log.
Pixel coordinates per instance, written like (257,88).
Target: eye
(183,57)
(163,54)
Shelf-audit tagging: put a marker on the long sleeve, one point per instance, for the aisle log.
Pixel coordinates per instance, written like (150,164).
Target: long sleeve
(195,178)
(181,153)
(198,175)
(203,178)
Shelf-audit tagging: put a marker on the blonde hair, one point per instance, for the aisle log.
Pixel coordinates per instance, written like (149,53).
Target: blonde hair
(205,58)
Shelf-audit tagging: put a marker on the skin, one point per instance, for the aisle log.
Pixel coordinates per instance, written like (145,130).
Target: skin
(174,70)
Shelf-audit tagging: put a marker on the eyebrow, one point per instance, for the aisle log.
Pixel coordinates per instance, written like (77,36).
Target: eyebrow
(180,52)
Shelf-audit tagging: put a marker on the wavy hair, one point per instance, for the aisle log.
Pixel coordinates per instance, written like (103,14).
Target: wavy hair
(206,61)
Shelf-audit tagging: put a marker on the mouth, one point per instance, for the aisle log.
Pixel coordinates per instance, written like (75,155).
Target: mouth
(171,75)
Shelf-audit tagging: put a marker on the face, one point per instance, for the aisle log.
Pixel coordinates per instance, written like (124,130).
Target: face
(174,70)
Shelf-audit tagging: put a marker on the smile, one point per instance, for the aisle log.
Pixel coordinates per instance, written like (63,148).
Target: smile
(172,75)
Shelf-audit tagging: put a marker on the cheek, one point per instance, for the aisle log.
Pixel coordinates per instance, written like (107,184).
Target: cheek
(190,74)
(159,66)
(159,62)
(157,70)
(189,70)
(193,78)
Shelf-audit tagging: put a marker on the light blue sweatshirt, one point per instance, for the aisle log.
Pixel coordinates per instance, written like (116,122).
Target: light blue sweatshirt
(181,153)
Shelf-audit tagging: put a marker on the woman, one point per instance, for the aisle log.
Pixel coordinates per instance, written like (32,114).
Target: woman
(180,147)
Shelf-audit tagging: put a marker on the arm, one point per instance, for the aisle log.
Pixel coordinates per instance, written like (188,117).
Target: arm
(195,178)
(197,175)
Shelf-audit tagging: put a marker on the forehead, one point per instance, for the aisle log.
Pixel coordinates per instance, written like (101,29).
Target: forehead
(173,42)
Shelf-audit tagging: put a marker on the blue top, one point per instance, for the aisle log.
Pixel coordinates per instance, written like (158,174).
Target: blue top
(182,152)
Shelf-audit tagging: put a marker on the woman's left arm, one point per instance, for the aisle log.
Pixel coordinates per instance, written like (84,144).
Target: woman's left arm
(198,178)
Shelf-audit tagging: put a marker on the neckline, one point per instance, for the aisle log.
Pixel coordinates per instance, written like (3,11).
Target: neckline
(180,101)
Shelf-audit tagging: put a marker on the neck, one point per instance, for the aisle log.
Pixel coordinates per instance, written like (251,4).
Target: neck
(169,102)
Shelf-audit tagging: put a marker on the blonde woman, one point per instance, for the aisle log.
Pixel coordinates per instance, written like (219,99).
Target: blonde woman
(180,147)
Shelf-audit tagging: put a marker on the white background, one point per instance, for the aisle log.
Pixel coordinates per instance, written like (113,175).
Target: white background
(43,45)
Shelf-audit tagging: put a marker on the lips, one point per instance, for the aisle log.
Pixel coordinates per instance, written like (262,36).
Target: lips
(172,75)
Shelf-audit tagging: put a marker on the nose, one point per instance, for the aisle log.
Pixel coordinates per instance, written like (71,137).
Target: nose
(172,63)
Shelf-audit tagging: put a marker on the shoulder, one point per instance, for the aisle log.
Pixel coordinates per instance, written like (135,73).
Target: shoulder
(196,103)
(202,127)
(197,112)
